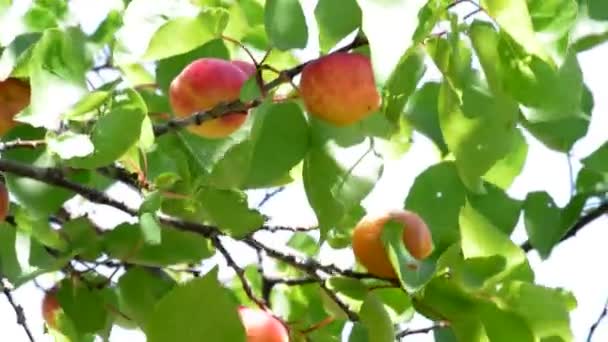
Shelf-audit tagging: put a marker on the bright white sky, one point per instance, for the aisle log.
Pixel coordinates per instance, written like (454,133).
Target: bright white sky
(573,265)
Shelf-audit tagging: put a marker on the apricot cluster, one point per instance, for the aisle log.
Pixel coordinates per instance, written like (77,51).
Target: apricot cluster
(262,326)
(368,246)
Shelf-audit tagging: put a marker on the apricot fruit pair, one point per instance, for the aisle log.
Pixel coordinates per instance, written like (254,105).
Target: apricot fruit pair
(14,97)
(340,88)
(205,83)
(369,249)
(50,307)
(261,326)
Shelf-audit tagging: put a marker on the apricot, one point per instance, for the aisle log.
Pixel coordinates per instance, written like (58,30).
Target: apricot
(202,85)
(261,326)
(50,307)
(246,67)
(4,202)
(369,249)
(340,88)
(14,97)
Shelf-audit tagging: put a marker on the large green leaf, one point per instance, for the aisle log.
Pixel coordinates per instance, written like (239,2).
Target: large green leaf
(402,83)
(336,19)
(199,310)
(422,113)
(229,210)
(280,140)
(598,160)
(480,130)
(115,132)
(285,24)
(497,207)
(514,18)
(546,223)
(126,242)
(57,76)
(192,32)
(337,179)
(139,289)
(506,170)
(481,239)
(389,26)
(83,305)
(438,188)
(376,319)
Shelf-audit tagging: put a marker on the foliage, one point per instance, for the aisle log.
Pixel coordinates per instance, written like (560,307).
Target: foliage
(509,72)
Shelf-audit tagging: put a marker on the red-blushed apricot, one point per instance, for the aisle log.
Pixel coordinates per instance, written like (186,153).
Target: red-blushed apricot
(246,67)
(262,326)
(50,307)
(369,249)
(14,97)
(4,202)
(340,88)
(202,85)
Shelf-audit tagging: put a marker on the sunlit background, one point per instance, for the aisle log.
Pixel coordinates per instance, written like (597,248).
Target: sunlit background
(576,264)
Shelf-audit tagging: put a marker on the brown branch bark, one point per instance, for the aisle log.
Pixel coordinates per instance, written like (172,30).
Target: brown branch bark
(18,310)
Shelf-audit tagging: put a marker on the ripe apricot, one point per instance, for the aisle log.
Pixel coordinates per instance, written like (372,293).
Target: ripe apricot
(202,85)
(369,249)
(50,307)
(246,67)
(4,202)
(340,88)
(261,326)
(14,97)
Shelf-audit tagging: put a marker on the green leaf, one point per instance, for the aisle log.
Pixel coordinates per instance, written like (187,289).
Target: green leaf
(398,19)
(376,320)
(480,131)
(304,243)
(546,310)
(27,191)
(83,305)
(337,179)
(115,132)
(506,170)
(402,83)
(229,210)
(598,9)
(57,76)
(589,181)
(397,303)
(106,31)
(280,140)
(139,289)
(82,237)
(439,186)
(285,24)
(17,54)
(125,242)
(514,18)
(39,228)
(69,144)
(546,223)
(250,90)
(480,238)
(150,229)
(412,273)
(336,19)
(422,113)
(199,310)
(598,160)
(504,325)
(86,104)
(192,33)
(9,264)
(496,206)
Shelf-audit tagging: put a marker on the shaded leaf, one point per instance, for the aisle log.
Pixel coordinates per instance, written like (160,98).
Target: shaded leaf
(285,24)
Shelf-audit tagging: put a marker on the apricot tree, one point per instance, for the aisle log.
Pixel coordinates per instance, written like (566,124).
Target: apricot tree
(170,117)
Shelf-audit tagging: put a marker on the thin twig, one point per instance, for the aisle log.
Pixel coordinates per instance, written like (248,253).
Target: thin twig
(270,195)
(18,310)
(594,326)
(578,225)
(408,332)
(18,143)
(239,272)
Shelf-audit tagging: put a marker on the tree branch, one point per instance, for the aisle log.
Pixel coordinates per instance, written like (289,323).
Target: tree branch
(594,326)
(18,143)
(578,225)
(18,310)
